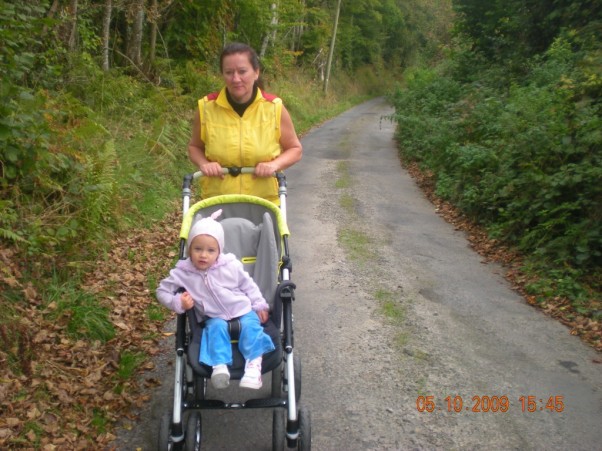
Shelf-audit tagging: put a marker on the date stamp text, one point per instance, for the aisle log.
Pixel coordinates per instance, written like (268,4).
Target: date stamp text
(485,403)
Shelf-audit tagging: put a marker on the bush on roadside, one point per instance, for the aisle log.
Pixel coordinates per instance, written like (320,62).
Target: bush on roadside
(524,161)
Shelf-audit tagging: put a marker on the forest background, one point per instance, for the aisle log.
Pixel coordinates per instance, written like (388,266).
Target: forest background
(498,112)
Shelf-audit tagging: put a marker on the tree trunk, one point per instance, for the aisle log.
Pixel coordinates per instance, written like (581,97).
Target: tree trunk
(72,43)
(319,61)
(154,19)
(331,51)
(51,12)
(298,31)
(135,38)
(270,35)
(106,33)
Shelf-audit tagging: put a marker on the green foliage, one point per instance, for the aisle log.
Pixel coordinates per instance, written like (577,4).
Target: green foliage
(390,305)
(66,164)
(561,283)
(316,39)
(195,79)
(523,158)
(100,421)
(99,188)
(391,34)
(195,30)
(508,32)
(156,312)
(23,59)
(24,135)
(427,104)
(8,220)
(85,317)
(129,362)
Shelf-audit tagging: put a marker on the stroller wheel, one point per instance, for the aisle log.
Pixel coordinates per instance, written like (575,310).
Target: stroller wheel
(194,432)
(164,443)
(304,442)
(278,430)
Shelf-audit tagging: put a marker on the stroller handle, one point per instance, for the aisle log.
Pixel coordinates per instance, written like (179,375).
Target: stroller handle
(233,171)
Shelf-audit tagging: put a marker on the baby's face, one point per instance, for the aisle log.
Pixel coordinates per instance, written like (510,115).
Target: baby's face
(204,251)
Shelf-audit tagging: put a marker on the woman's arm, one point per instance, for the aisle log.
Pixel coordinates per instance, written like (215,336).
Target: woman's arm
(196,152)
(292,150)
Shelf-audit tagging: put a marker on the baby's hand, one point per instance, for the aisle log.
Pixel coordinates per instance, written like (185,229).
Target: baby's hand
(263,316)
(186,301)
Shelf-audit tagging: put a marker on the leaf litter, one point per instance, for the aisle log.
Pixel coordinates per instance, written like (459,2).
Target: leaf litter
(60,392)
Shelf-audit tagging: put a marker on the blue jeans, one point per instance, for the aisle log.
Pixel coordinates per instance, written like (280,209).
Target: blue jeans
(216,348)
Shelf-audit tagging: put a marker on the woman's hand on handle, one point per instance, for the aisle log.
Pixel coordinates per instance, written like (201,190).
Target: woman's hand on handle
(212,169)
(266,169)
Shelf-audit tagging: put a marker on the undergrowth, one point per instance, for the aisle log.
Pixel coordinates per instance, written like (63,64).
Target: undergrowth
(520,158)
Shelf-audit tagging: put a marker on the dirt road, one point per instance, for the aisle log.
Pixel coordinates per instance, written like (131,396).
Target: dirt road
(393,307)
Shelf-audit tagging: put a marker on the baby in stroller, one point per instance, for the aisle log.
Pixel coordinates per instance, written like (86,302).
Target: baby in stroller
(254,231)
(216,286)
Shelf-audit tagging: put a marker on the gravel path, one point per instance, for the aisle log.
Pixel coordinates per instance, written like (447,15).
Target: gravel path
(393,307)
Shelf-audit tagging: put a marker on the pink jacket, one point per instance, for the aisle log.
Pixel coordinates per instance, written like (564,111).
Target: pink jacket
(224,291)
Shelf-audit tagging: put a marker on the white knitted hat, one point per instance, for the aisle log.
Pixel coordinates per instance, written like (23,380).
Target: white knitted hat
(208,226)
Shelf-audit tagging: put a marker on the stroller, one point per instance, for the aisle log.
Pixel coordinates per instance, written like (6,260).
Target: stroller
(257,233)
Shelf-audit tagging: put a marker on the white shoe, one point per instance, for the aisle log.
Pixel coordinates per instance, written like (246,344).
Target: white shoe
(252,376)
(220,377)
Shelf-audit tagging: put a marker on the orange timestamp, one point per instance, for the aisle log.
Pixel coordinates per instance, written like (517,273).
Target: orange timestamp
(485,403)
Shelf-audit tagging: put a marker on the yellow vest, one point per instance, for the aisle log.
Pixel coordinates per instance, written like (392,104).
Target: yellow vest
(235,141)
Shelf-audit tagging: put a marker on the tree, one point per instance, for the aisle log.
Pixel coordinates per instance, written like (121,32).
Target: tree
(73,25)
(508,30)
(153,17)
(106,34)
(134,46)
(270,34)
(332,43)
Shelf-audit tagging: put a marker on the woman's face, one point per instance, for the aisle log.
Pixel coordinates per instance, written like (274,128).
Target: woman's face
(239,76)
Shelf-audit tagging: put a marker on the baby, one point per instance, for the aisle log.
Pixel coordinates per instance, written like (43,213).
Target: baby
(218,287)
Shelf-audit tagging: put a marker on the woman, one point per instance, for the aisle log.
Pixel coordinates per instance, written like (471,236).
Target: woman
(242,126)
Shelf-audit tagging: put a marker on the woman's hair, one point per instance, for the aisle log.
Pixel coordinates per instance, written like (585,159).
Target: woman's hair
(239,47)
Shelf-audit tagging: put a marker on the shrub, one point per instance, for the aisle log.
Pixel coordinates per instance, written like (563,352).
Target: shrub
(523,160)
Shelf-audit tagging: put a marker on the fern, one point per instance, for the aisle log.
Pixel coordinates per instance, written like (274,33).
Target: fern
(169,136)
(8,218)
(100,187)
(11,236)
